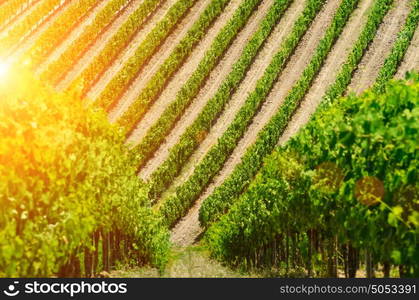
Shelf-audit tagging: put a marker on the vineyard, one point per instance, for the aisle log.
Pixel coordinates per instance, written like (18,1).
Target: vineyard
(279,134)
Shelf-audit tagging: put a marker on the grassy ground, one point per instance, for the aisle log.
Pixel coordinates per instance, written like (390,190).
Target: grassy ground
(193,261)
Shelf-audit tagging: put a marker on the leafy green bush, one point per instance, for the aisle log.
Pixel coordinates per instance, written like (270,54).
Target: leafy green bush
(348,180)
(68,188)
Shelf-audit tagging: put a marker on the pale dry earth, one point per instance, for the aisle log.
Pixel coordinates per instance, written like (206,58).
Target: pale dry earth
(118,64)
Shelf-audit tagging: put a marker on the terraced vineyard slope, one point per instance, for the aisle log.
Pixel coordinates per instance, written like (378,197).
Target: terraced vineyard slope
(202,91)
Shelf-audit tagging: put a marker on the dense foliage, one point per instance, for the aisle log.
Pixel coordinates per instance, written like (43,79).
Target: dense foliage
(346,185)
(341,195)
(68,190)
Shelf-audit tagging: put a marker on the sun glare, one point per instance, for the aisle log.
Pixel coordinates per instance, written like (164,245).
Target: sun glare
(4,69)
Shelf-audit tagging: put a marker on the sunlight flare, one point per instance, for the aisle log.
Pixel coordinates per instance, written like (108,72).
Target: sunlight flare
(4,69)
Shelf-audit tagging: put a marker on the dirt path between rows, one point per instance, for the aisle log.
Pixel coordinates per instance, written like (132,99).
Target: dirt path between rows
(163,52)
(380,48)
(23,46)
(186,231)
(106,36)
(218,74)
(411,59)
(86,20)
(330,69)
(248,84)
(182,75)
(188,262)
